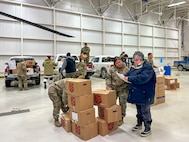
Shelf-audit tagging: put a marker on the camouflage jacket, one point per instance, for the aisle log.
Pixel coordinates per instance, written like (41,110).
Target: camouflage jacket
(21,68)
(85,50)
(82,68)
(112,79)
(49,67)
(59,86)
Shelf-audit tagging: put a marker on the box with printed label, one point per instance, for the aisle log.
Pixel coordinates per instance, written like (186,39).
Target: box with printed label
(78,87)
(66,123)
(85,132)
(78,103)
(83,117)
(105,97)
(30,63)
(105,128)
(170,80)
(110,114)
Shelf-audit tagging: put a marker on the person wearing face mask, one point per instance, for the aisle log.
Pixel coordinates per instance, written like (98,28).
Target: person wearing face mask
(113,82)
(141,91)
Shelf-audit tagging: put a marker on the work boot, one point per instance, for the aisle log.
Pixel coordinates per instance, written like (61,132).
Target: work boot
(26,88)
(20,89)
(146,132)
(65,109)
(137,127)
(57,123)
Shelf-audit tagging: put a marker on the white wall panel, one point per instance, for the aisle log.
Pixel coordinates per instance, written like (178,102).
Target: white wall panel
(37,47)
(131,40)
(38,15)
(96,49)
(111,38)
(69,31)
(130,50)
(112,26)
(10,46)
(112,50)
(159,52)
(159,42)
(35,33)
(145,41)
(11,9)
(68,19)
(159,32)
(172,43)
(92,23)
(172,34)
(8,29)
(145,30)
(64,47)
(145,51)
(130,28)
(92,36)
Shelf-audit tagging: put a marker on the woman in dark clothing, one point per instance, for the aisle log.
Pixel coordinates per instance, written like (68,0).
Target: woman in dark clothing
(141,91)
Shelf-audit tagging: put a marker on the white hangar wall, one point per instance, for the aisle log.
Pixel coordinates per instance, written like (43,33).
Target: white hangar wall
(104,35)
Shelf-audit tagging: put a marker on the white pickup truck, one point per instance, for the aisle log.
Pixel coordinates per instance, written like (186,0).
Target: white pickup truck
(58,58)
(102,63)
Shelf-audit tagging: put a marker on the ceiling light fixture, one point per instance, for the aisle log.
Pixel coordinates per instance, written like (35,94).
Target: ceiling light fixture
(175,4)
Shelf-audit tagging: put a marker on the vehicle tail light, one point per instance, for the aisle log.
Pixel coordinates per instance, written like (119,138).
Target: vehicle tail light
(38,69)
(90,65)
(6,70)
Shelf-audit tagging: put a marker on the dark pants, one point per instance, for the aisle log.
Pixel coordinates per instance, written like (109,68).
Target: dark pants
(144,115)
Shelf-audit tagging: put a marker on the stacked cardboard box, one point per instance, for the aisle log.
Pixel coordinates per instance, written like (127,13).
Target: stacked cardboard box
(159,90)
(108,112)
(171,83)
(82,112)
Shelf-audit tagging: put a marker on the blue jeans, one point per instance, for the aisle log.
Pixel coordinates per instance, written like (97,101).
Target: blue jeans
(144,115)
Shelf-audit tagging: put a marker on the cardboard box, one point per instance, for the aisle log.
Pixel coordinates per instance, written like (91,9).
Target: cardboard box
(66,123)
(85,132)
(14,71)
(110,114)
(105,97)
(83,117)
(78,87)
(171,86)
(78,103)
(159,90)
(170,80)
(30,63)
(178,85)
(105,128)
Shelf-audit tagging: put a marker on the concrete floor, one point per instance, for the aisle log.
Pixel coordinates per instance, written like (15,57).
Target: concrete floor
(170,120)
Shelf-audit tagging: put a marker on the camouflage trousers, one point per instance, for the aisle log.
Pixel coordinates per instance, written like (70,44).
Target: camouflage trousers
(59,101)
(22,80)
(122,95)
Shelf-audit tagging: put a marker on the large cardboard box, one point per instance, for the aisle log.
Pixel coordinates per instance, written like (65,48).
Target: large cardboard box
(30,63)
(159,90)
(14,71)
(105,128)
(78,103)
(105,97)
(170,83)
(66,123)
(85,132)
(110,114)
(78,87)
(83,117)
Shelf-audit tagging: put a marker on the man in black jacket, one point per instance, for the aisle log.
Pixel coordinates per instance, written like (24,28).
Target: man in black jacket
(69,65)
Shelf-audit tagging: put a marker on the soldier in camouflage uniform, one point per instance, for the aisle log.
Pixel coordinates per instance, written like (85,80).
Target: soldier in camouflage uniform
(21,73)
(58,96)
(86,50)
(49,65)
(115,83)
(81,68)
